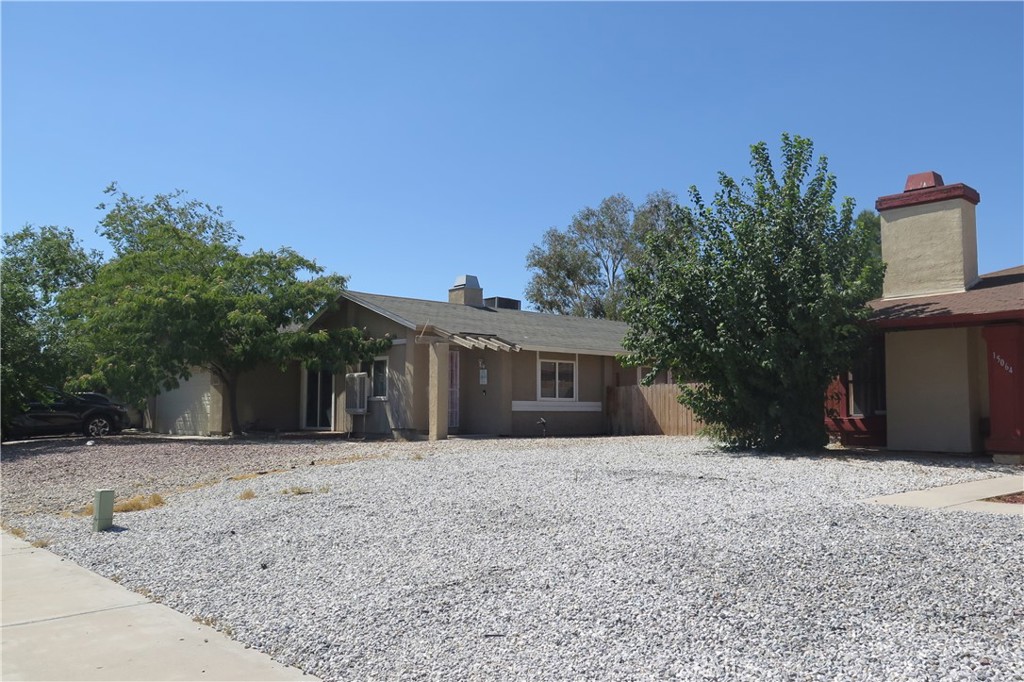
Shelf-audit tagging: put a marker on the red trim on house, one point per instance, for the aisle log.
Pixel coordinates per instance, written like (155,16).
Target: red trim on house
(945,321)
(927,196)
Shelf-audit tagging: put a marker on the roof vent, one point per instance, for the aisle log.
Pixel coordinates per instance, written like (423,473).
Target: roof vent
(501,303)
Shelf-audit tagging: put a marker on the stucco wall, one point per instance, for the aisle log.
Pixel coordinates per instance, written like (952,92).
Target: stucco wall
(192,409)
(386,416)
(932,389)
(268,399)
(929,248)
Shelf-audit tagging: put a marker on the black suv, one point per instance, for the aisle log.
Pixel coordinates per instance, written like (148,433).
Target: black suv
(92,414)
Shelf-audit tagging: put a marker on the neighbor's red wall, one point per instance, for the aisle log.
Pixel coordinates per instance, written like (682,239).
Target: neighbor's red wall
(866,431)
(1005,358)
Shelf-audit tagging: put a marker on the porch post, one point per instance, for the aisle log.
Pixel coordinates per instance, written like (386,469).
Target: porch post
(438,402)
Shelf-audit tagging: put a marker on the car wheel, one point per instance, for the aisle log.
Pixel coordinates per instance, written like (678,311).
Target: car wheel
(97,426)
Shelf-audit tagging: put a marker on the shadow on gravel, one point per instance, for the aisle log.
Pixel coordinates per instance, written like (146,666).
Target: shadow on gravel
(46,445)
(942,460)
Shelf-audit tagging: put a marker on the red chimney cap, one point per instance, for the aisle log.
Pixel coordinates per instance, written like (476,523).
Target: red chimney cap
(922,181)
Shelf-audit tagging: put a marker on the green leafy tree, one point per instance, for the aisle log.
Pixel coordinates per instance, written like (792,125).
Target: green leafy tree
(180,294)
(580,271)
(36,348)
(758,299)
(870,223)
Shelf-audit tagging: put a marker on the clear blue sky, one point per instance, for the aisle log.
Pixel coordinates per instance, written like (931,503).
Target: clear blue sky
(406,144)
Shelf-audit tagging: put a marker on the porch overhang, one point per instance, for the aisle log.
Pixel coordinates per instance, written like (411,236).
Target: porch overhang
(472,340)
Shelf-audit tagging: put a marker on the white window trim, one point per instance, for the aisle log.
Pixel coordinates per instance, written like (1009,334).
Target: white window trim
(575,379)
(387,379)
(549,405)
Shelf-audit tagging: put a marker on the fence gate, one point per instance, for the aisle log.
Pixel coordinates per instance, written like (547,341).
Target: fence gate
(650,411)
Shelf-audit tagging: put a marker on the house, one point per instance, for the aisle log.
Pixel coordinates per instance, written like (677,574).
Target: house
(469,365)
(945,373)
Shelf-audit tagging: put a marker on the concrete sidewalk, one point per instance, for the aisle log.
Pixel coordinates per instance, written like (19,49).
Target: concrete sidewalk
(62,622)
(968,496)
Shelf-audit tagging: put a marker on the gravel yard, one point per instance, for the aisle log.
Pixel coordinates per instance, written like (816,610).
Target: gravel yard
(613,558)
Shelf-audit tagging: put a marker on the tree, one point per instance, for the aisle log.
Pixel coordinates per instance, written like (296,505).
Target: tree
(36,348)
(870,223)
(580,271)
(181,294)
(758,299)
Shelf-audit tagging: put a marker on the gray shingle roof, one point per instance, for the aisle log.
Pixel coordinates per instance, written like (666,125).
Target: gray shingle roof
(530,330)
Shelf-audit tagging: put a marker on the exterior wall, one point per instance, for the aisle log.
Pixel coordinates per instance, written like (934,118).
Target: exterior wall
(571,418)
(396,415)
(268,399)
(195,408)
(931,389)
(386,416)
(559,424)
(485,408)
(929,248)
(393,416)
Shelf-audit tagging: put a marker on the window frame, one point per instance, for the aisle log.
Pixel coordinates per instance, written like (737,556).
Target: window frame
(373,379)
(575,380)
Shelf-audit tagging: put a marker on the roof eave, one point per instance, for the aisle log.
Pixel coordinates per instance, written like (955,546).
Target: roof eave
(947,321)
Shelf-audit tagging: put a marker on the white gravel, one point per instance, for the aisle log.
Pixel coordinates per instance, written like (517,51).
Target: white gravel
(618,558)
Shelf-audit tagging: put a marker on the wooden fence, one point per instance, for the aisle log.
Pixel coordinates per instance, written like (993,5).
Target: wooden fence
(649,410)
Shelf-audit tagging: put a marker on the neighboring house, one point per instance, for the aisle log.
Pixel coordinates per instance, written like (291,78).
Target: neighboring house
(946,371)
(468,366)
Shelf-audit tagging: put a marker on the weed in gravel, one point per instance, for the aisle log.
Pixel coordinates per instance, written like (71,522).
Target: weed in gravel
(247,494)
(135,503)
(296,490)
(16,531)
(255,474)
(349,459)
(41,543)
(417,456)
(214,623)
(139,503)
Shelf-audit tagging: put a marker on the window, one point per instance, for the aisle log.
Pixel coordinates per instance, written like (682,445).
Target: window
(557,380)
(866,383)
(379,378)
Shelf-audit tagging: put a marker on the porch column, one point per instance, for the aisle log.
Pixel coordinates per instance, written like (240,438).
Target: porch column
(1005,360)
(438,401)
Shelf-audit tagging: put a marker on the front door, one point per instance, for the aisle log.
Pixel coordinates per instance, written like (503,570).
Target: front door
(453,389)
(319,411)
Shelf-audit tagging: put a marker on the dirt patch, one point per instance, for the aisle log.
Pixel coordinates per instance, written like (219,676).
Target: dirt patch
(1012,498)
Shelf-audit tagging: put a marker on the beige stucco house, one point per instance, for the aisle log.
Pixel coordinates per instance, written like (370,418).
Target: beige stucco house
(946,372)
(466,365)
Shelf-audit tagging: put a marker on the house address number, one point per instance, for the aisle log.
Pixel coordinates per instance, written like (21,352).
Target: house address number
(999,360)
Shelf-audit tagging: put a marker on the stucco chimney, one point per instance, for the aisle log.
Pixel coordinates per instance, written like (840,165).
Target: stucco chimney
(467,291)
(929,237)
